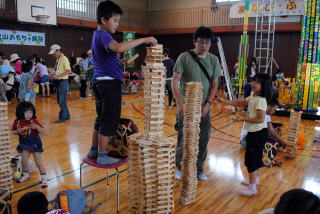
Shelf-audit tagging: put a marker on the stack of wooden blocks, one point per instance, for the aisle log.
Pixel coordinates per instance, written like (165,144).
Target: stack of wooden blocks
(191,130)
(6,185)
(5,170)
(293,132)
(152,155)
(154,96)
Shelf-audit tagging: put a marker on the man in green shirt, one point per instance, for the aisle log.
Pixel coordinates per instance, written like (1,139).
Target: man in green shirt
(186,70)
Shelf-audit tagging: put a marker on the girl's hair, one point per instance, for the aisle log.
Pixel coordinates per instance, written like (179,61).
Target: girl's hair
(298,201)
(73,61)
(253,60)
(37,60)
(84,55)
(166,51)
(266,85)
(33,203)
(274,99)
(34,56)
(26,66)
(2,55)
(274,78)
(24,106)
(40,60)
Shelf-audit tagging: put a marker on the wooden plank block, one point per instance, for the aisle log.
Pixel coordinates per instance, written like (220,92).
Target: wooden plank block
(156,188)
(191,125)
(5,170)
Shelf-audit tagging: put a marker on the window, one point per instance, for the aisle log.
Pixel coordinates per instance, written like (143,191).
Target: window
(76,5)
(2,4)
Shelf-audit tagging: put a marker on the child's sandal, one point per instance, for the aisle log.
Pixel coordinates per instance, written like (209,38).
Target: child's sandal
(44,183)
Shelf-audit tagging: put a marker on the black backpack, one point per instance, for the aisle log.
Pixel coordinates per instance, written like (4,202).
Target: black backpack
(76,69)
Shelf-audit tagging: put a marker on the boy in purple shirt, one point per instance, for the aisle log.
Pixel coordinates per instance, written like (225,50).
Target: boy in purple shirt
(108,78)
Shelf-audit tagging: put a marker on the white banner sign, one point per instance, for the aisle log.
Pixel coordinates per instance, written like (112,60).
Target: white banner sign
(15,37)
(280,7)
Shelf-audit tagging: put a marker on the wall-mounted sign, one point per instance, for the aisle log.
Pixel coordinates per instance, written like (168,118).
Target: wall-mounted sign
(281,8)
(15,37)
(127,36)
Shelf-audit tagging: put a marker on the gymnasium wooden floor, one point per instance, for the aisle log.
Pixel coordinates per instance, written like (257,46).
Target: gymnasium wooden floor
(67,143)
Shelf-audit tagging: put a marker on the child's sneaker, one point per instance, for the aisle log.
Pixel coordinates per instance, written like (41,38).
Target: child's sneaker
(248,192)
(93,153)
(23,178)
(106,160)
(44,183)
(202,177)
(178,175)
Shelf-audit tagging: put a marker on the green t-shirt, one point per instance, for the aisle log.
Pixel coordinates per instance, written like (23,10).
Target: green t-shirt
(191,72)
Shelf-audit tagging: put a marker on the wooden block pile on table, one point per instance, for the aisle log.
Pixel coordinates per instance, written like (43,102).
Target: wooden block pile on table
(5,169)
(191,130)
(293,132)
(152,155)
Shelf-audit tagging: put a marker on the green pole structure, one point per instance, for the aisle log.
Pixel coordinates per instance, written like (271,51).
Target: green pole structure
(308,75)
(244,48)
(312,30)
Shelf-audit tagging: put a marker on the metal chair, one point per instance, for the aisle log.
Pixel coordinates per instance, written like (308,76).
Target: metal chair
(93,162)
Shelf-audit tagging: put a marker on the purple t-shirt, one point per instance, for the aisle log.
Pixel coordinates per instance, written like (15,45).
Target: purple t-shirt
(42,69)
(105,61)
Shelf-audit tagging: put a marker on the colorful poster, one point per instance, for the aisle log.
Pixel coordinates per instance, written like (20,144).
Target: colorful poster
(281,8)
(15,37)
(127,36)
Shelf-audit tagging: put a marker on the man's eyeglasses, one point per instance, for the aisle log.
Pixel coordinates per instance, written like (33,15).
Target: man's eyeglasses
(204,42)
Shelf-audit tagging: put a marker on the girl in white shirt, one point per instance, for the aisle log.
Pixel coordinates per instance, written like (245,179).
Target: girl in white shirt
(256,126)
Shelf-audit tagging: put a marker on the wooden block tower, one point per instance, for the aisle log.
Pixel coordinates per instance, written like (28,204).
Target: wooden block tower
(191,130)
(6,185)
(293,132)
(152,155)
(5,170)
(154,96)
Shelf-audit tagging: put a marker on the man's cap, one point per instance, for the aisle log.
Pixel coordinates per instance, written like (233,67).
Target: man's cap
(54,48)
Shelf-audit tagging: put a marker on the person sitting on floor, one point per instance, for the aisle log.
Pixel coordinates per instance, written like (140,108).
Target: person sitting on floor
(35,203)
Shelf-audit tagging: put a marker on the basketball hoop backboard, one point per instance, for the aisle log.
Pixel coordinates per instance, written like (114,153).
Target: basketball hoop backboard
(32,10)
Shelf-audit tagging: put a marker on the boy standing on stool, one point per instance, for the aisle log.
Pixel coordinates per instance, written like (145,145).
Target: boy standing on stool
(108,78)
(200,66)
